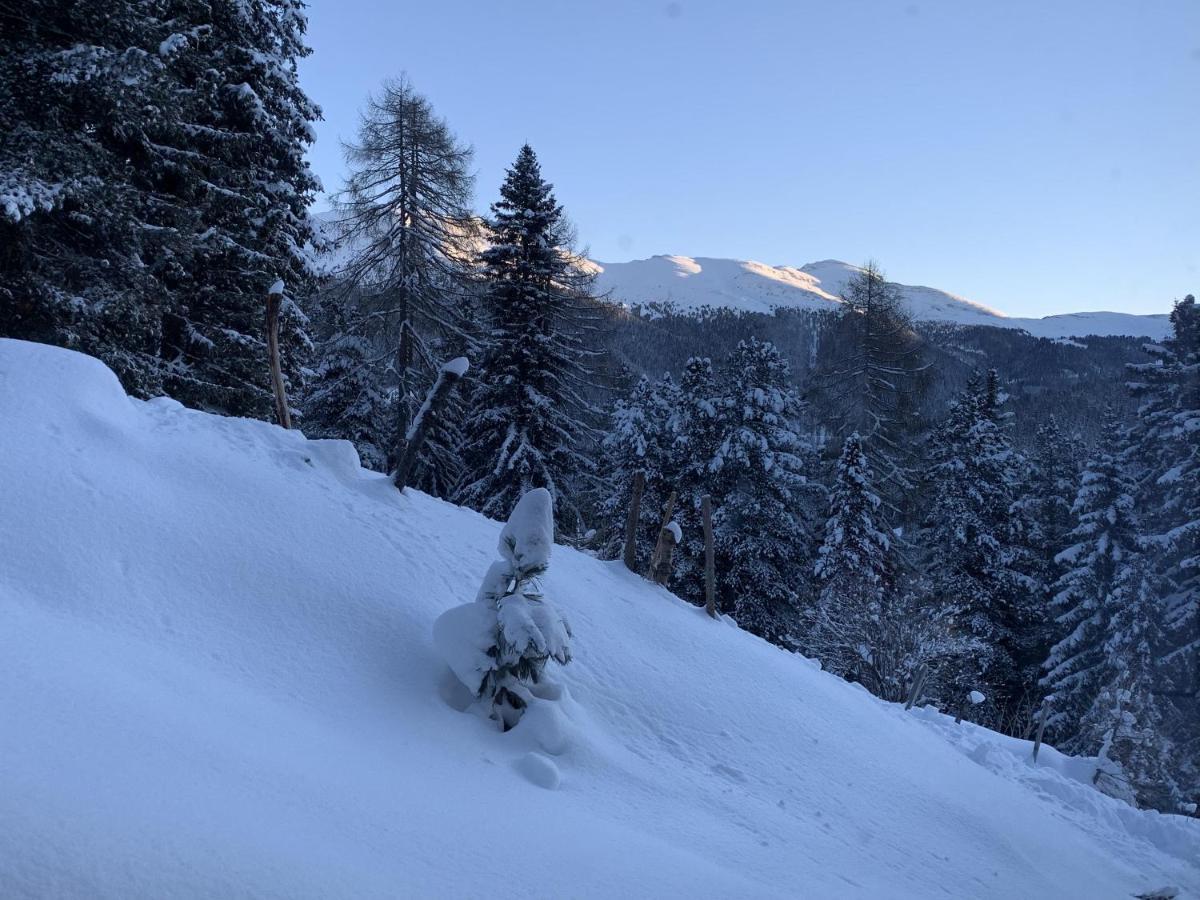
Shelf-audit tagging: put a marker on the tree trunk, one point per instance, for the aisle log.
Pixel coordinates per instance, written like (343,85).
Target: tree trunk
(274,301)
(710,565)
(435,400)
(631,521)
(918,686)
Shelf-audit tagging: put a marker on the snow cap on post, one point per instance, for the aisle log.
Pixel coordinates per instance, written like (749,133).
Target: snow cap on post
(457,366)
(527,538)
(277,287)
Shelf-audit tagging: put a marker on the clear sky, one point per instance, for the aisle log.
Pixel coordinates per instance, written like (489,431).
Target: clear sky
(1039,156)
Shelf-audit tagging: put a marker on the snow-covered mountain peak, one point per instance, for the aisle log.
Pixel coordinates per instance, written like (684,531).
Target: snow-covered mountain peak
(693,284)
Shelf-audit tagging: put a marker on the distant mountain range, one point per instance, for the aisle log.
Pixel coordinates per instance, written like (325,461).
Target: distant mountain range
(692,284)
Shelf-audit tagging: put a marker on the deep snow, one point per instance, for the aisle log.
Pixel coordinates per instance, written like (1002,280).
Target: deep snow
(218,678)
(692,284)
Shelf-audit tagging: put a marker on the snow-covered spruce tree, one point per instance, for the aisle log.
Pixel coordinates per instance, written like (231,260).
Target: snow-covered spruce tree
(528,418)
(1124,722)
(1102,543)
(344,399)
(499,645)
(974,552)
(1041,519)
(865,623)
(855,570)
(1168,438)
(638,439)
(762,531)
(237,179)
(870,383)
(155,186)
(405,215)
(80,86)
(699,426)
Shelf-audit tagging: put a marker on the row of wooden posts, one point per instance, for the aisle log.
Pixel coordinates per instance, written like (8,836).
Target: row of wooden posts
(660,567)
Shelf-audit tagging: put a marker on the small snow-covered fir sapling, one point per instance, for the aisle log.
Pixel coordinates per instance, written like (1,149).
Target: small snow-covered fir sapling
(499,645)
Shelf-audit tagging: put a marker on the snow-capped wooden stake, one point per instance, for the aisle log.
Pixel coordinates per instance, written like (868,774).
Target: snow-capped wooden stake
(448,376)
(659,545)
(710,566)
(631,520)
(918,686)
(274,302)
(1037,744)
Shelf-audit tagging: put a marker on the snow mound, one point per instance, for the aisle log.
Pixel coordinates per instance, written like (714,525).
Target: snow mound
(690,284)
(217,679)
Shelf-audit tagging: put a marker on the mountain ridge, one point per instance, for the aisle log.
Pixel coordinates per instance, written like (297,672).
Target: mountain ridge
(688,284)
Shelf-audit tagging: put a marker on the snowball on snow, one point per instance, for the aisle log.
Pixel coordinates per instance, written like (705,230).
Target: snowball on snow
(457,366)
(529,534)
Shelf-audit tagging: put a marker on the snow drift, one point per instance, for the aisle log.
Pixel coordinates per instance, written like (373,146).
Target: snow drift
(693,284)
(217,678)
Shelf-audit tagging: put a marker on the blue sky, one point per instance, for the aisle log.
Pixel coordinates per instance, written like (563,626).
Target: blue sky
(1039,157)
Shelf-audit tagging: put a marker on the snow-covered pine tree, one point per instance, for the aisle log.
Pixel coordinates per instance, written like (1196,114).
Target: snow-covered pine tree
(855,571)
(499,645)
(872,380)
(1041,518)
(1103,542)
(974,548)
(762,527)
(528,418)
(81,86)
(699,426)
(638,439)
(160,265)
(1168,437)
(344,400)
(236,177)
(1125,718)
(405,215)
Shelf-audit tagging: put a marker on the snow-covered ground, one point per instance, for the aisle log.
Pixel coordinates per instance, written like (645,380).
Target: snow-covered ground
(218,679)
(693,284)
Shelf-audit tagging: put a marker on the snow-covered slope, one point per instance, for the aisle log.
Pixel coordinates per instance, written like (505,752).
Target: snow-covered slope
(217,679)
(692,284)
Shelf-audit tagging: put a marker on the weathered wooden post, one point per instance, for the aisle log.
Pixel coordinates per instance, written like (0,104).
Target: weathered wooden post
(274,302)
(668,511)
(918,686)
(1037,744)
(974,698)
(631,520)
(668,540)
(448,376)
(710,566)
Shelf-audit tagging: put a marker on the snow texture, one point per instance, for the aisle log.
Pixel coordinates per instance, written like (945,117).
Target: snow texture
(217,680)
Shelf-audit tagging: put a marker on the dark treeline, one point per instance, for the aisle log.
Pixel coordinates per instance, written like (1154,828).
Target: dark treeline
(970,508)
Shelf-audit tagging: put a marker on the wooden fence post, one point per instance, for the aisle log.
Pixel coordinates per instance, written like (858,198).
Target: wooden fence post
(448,376)
(631,520)
(668,511)
(918,685)
(710,566)
(274,302)
(1037,744)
